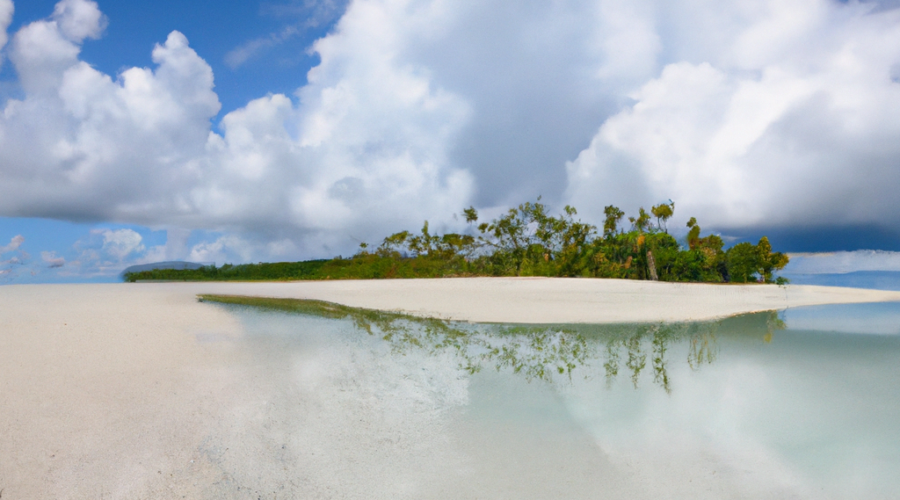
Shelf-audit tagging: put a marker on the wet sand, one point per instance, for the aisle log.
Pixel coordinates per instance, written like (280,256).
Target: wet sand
(140,391)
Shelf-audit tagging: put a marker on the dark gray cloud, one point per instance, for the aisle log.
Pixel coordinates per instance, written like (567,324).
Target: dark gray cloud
(831,238)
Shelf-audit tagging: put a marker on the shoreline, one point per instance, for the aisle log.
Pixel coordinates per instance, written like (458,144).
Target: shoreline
(522,300)
(538,300)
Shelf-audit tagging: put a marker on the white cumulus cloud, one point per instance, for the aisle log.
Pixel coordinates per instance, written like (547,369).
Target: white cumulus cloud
(224,249)
(789,119)
(14,243)
(363,148)
(11,264)
(105,252)
(83,145)
(6,14)
(79,19)
(120,243)
(770,112)
(52,260)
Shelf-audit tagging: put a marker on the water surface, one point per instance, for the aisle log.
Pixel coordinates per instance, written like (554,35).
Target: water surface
(801,404)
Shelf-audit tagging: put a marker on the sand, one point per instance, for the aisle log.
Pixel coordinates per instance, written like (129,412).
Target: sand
(549,300)
(140,391)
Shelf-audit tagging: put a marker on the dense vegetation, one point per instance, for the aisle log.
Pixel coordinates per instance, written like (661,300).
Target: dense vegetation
(527,241)
(245,272)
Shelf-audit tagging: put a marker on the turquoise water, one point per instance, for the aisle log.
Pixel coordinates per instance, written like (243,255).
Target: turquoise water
(798,404)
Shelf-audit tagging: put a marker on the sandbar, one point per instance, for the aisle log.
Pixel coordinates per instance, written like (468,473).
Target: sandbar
(547,300)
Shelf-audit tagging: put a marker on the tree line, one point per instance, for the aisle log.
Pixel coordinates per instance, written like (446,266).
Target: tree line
(528,241)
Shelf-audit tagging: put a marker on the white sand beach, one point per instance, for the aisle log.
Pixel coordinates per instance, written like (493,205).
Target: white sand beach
(549,300)
(114,390)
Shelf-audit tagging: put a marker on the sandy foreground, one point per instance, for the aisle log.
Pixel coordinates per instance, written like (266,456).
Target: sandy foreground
(140,391)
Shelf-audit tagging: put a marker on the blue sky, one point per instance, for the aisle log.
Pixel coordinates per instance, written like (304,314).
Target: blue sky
(282,130)
(215,29)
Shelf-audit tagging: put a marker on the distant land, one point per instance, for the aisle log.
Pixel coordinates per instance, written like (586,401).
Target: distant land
(169,264)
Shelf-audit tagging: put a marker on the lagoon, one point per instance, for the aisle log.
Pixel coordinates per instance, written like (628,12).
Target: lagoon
(748,407)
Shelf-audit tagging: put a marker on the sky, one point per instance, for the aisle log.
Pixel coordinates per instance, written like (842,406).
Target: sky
(135,132)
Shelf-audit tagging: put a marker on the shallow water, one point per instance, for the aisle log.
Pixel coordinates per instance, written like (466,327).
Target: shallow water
(802,404)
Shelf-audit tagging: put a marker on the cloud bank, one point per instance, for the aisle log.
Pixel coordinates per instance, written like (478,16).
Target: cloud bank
(747,115)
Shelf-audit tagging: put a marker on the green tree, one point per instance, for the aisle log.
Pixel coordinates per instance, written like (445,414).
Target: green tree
(693,237)
(516,237)
(663,212)
(769,262)
(570,252)
(743,262)
(394,244)
(747,262)
(613,216)
(424,243)
(471,214)
(641,223)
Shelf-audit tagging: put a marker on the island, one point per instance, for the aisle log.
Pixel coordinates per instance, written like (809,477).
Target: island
(525,241)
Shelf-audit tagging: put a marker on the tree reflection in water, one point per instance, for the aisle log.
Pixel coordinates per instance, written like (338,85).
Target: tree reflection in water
(537,351)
